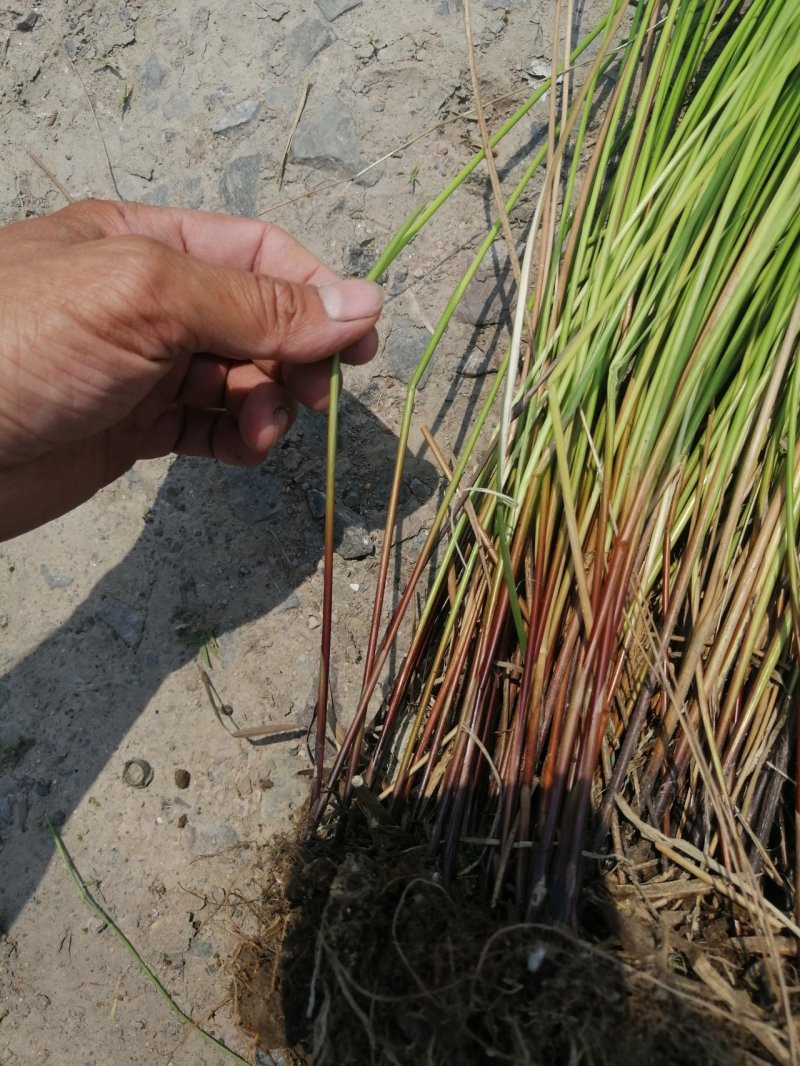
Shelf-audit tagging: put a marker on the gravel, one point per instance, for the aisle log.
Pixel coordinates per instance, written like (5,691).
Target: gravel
(237,115)
(239,184)
(327,136)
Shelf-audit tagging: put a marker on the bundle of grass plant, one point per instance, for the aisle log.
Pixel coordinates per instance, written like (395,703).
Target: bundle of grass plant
(608,649)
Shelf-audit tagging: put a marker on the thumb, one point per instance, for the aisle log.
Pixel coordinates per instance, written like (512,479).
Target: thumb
(195,305)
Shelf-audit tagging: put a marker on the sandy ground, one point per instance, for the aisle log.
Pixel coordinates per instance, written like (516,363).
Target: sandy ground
(107,614)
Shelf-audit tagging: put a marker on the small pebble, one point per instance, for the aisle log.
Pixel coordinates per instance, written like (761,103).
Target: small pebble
(181,822)
(55,581)
(354,586)
(28,21)
(313,623)
(201,949)
(237,115)
(476,364)
(182,778)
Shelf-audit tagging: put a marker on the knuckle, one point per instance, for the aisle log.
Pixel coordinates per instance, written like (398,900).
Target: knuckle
(89,219)
(134,290)
(142,260)
(282,308)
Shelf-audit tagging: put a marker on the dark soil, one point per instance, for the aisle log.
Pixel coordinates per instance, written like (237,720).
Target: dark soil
(366,957)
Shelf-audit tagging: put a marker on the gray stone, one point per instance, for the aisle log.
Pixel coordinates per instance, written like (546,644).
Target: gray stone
(28,21)
(359,257)
(189,193)
(55,581)
(254,495)
(151,75)
(382,487)
(487,298)
(352,538)
(316,503)
(291,603)
(351,535)
(184,192)
(404,348)
(308,39)
(238,185)
(476,364)
(201,949)
(179,105)
(332,9)
(327,137)
(126,621)
(420,489)
(237,115)
(399,278)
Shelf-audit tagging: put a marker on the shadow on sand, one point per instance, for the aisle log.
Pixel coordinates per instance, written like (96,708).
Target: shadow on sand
(219,548)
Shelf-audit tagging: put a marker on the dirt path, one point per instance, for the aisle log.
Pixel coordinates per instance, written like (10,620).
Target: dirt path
(107,613)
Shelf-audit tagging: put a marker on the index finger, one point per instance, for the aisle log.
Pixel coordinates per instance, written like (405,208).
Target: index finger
(224,240)
(231,241)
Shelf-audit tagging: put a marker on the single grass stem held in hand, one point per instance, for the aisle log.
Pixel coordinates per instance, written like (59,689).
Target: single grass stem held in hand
(129,332)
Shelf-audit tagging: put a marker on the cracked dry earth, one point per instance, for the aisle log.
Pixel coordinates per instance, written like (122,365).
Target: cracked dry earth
(108,615)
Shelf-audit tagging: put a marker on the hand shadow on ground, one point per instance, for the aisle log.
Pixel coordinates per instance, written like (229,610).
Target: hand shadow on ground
(220,547)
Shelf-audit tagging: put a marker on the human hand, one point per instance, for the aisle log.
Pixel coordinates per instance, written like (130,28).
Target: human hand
(128,332)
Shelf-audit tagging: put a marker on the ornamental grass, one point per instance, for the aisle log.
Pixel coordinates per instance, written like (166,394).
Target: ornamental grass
(607,652)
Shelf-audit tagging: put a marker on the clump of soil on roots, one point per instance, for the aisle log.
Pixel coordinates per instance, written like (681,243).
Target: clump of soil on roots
(363,956)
